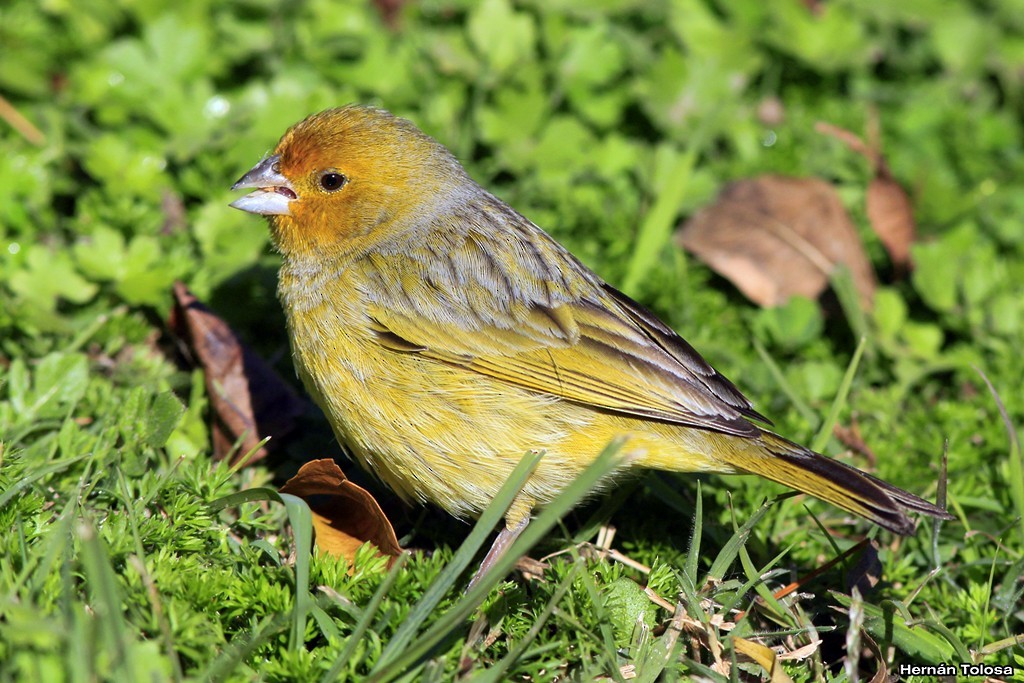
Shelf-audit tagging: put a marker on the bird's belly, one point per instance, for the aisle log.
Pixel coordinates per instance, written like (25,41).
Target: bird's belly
(439,433)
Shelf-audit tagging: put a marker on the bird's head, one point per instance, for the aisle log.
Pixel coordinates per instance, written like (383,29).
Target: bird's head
(345,179)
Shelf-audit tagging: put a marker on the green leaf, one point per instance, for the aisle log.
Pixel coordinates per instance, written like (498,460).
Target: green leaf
(628,604)
(673,169)
(401,652)
(164,415)
(229,240)
(132,166)
(301,520)
(150,272)
(36,475)
(101,255)
(887,627)
(890,312)
(503,36)
(592,58)
(556,155)
(829,39)
(49,276)
(964,40)
(924,339)
(60,381)
(792,325)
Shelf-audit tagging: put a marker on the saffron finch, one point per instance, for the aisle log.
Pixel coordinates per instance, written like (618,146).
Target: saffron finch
(444,335)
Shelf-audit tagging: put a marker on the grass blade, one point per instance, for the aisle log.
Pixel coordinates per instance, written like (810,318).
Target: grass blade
(21,485)
(369,612)
(301,520)
(656,228)
(496,673)
(227,662)
(886,626)
(106,600)
(407,652)
(693,552)
(729,551)
(465,554)
(825,433)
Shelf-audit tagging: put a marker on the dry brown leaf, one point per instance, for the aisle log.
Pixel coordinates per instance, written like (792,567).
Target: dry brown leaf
(892,217)
(247,397)
(775,237)
(345,515)
(801,653)
(882,674)
(888,207)
(866,572)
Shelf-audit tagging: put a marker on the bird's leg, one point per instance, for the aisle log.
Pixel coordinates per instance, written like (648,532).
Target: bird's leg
(500,546)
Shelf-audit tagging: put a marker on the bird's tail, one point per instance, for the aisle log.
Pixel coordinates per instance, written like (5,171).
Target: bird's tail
(845,487)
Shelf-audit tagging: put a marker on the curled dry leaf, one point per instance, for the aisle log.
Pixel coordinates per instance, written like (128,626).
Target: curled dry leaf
(866,572)
(248,399)
(892,217)
(882,673)
(775,237)
(345,515)
(888,207)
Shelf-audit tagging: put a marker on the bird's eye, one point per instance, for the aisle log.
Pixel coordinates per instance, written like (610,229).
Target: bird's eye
(332,181)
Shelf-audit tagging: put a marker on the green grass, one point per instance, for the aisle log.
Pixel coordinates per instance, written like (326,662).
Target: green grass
(128,554)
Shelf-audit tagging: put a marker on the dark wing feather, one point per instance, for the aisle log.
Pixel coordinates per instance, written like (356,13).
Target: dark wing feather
(670,342)
(508,302)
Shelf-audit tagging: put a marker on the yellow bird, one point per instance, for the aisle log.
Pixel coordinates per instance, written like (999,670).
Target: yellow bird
(444,335)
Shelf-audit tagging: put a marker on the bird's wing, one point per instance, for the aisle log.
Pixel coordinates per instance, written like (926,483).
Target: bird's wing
(517,307)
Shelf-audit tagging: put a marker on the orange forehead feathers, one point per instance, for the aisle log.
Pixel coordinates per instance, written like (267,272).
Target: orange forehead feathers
(386,169)
(363,139)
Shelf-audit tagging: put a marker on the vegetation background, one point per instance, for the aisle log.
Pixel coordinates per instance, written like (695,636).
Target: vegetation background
(607,122)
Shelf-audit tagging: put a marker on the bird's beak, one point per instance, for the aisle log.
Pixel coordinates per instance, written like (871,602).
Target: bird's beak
(273,191)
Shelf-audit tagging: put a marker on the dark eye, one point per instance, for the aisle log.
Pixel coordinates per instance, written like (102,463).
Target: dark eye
(332,181)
